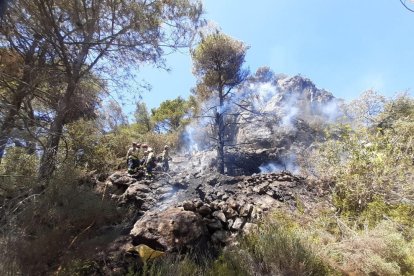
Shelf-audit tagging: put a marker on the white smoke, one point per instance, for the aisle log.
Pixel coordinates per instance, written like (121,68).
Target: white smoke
(287,164)
(332,110)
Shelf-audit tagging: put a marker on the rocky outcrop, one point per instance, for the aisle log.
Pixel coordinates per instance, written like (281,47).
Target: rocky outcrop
(287,117)
(171,229)
(180,211)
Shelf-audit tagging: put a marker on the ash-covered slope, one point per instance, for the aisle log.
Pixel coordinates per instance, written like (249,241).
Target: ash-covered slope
(189,210)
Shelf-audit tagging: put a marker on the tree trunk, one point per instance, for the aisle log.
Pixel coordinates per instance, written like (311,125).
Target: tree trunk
(219,120)
(220,142)
(49,157)
(48,160)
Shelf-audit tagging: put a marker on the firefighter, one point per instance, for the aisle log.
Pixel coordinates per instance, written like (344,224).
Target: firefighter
(133,155)
(150,163)
(143,160)
(165,158)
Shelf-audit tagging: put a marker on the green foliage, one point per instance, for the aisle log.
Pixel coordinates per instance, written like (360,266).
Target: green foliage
(64,215)
(381,250)
(218,61)
(373,163)
(80,267)
(170,115)
(276,250)
(229,263)
(143,118)
(106,152)
(273,250)
(17,172)
(370,164)
(97,153)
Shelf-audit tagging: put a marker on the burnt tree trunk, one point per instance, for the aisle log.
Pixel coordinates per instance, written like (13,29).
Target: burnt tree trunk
(219,121)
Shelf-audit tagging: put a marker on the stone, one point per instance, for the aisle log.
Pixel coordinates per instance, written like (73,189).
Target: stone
(123,181)
(232,203)
(137,187)
(230,223)
(220,236)
(198,203)
(220,194)
(256,213)
(220,215)
(238,224)
(214,224)
(229,212)
(116,176)
(261,188)
(204,210)
(170,230)
(246,210)
(212,180)
(189,206)
(250,228)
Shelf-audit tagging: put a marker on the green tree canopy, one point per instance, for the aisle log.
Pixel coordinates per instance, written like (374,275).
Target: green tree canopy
(170,116)
(143,118)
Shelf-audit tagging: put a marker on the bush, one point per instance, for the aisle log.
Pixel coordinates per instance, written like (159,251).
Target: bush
(17,172)
(50,226)
(279,251)
(378,251)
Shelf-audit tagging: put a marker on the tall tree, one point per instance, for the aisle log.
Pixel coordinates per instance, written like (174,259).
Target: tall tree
(143,118)
(98,36)
(217,62)
(170,115)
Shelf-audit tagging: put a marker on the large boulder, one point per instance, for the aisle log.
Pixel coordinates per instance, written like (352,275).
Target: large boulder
(171,230)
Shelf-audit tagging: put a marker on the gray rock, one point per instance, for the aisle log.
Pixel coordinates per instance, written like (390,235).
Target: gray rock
(189,206)
(220,215)
(220,236)
(232,203)
(204,210)
(214,224)
(137,187)
(198,203)
(246,210)
(261,188)
(230,223)
(172,229)
(116,176)
(238,224)
(229,212)
(123,181)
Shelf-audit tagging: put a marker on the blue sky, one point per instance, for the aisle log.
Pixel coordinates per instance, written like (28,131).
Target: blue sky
(343,46)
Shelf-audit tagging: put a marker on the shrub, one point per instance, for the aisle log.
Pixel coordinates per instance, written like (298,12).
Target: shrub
(51,225)
(279,251)
(17,172)
(378,251)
